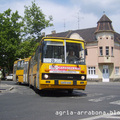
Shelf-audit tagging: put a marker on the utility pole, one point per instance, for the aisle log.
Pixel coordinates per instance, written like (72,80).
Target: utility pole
(103,12)
(79,18)
(64,25)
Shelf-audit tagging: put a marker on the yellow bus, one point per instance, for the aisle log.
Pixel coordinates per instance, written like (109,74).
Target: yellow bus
(58,63)
(26,70)
(21,73)
(14,70)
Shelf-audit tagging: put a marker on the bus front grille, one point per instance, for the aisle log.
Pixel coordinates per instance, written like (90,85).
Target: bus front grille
(54,76)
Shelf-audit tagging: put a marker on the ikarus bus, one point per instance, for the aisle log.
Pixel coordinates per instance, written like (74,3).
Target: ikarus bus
(21,70)
(14,70)
(58,63)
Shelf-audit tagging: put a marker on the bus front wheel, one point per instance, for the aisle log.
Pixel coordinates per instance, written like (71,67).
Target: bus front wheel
(35,88)
(70,91)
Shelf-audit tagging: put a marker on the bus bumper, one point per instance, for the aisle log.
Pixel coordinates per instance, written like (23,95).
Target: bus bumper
(62,84)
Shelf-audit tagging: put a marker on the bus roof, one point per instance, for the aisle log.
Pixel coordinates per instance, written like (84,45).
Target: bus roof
(27,59)
(15,62)
(63,38)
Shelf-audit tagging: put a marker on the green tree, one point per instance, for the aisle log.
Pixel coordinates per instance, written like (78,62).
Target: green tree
(10,32)
(19,36)
(27,48)
(35,21)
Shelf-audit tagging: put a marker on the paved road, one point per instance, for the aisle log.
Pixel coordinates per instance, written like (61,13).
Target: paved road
(100,101)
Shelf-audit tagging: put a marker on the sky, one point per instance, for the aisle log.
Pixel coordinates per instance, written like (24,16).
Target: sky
(70,14)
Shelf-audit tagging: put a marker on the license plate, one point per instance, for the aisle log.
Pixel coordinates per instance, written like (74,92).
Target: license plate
(62,82)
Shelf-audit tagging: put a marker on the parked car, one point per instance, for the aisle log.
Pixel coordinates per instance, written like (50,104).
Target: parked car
(9,77)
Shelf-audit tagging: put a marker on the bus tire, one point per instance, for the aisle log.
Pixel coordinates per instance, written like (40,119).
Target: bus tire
(18,83)
(30,86)
(35,88)
(70,91)
(16,79)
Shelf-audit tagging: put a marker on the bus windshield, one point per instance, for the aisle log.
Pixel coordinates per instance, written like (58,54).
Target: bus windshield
(63,52)
(20,65)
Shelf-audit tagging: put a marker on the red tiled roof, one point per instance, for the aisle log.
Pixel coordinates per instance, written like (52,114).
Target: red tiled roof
(86,34)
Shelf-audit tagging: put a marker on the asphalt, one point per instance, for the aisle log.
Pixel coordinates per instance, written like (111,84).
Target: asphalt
(58,105)
(8,87)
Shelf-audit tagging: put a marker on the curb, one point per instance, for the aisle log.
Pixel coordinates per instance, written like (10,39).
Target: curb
(6,89)
(11,88)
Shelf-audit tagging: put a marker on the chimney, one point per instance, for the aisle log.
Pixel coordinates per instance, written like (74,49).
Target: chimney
(53,32)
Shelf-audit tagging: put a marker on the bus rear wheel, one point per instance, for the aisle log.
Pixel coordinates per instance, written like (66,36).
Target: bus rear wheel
(17,81)
(30,86)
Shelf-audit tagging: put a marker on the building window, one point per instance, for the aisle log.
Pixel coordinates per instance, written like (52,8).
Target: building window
(91,71)
(111,51)
(107,50)
(116,70)
(106,37)
(101,51)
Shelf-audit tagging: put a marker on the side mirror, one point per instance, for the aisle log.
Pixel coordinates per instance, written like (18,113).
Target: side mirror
(86,53)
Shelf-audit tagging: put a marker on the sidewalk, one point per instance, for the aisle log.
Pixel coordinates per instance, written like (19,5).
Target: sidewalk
(5,87)
(103,83)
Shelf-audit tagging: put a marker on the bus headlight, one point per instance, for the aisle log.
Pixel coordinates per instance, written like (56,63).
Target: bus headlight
(83,77)
(46,76)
